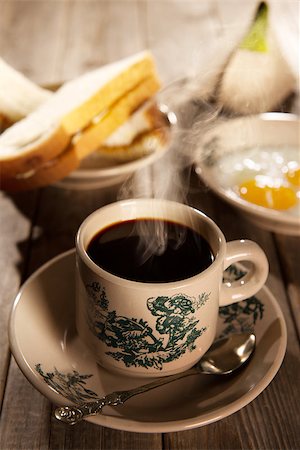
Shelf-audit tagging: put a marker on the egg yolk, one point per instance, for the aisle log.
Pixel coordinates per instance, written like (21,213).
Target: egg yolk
(279,197)
(293,176)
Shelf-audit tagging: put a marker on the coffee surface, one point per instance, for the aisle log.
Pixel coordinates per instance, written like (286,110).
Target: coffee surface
(135,251)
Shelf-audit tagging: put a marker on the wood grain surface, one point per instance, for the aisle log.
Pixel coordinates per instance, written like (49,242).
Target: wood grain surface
(51,41)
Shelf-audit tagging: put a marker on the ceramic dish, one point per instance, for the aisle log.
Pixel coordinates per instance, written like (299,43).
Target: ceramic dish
(43,318)
(240,149)
(96,172)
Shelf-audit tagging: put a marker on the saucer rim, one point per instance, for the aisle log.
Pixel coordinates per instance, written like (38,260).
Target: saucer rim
(121,422)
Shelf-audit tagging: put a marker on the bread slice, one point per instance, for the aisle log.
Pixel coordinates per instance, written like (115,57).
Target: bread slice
(5,122)
(18,95)
(114,81)
(142,145)
(80,116)
(145,131)
(59,167)
(103,126)
(52,141)
(46,147)
(51,171)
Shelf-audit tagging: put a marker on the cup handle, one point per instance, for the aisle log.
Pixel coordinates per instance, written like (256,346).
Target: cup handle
(251,283)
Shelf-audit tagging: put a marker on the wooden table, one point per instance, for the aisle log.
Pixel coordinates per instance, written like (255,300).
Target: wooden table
(50,41)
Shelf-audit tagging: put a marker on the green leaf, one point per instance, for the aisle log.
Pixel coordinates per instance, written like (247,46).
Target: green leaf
(256,38)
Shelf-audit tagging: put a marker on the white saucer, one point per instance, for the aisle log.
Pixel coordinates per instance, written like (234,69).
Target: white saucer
(227,146)
(45,345)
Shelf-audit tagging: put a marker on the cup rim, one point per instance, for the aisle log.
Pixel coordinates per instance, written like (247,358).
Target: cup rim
(99,271)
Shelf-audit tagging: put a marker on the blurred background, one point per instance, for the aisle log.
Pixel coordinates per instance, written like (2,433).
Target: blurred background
(55,40)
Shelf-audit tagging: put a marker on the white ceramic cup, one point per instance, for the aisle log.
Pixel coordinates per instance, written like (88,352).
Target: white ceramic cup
(157,329)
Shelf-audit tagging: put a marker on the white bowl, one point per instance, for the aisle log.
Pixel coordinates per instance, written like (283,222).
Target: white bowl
(231,141)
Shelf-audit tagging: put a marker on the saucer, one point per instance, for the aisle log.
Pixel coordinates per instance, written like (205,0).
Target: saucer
(252,148)
(48,351)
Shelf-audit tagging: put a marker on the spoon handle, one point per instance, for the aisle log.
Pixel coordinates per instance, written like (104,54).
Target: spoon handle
(73,414)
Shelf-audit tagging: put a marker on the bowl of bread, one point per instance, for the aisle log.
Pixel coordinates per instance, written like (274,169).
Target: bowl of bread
(92,131)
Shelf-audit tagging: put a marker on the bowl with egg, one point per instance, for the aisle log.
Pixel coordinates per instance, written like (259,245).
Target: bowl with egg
(253,163)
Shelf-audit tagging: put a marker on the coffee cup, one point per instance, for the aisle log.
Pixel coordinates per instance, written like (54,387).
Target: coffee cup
(147,310)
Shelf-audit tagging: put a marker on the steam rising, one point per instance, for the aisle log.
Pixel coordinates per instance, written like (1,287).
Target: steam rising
(169,177)
(198,109)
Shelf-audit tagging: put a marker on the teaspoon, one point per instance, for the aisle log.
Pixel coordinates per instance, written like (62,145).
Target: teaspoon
(224,357)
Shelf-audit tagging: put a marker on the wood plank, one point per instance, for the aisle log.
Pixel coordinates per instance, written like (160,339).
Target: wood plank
(289,256)
(125,440)
(276,408)
(77,38)
(21,29)
(223,435)
(23,424)
(30,37)
(92,437)
(179,43)
(58,226)
(81,436)
(94,35)
(15,228)
(84,37)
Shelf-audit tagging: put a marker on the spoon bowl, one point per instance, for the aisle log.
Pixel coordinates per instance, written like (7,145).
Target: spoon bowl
(225,356)
(228,354)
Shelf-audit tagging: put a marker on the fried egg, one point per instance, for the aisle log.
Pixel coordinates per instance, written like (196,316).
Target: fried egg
(266,177)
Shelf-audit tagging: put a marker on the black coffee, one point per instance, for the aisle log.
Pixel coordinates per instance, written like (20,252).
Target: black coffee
(120,250)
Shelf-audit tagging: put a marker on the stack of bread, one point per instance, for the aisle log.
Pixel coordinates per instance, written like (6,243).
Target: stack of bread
(110,110)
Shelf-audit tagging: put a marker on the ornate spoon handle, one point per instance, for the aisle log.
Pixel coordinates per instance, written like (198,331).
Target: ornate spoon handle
(73,414)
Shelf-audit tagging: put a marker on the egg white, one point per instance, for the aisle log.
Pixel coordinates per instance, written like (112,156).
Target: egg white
(237,167)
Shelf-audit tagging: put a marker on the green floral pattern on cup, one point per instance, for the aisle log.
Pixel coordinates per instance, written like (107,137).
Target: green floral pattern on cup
(133,341)
(241,316)
(234,318)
